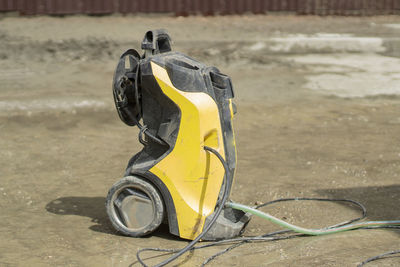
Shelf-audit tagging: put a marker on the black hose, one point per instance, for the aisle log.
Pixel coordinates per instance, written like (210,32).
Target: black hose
(361,206)
(266,237)
(227,180)
(378,257)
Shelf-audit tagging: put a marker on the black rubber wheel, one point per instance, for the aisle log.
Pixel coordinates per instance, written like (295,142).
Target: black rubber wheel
(134,206)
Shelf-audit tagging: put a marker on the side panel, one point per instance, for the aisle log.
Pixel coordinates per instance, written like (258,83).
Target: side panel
(192,175)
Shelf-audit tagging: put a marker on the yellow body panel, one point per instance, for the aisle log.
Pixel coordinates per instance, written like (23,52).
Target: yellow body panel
(192,175)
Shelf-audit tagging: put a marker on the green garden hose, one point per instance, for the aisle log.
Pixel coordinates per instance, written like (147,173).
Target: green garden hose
(298,229)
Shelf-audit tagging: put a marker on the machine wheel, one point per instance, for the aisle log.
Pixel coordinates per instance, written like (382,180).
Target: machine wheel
(134,206)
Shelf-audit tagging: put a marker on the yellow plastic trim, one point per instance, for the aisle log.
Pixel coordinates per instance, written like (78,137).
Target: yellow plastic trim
(192,175)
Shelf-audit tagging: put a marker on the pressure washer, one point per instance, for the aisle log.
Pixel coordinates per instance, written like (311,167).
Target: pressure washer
(183,176)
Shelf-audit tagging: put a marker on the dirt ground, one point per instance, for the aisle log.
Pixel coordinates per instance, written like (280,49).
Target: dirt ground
(311,122)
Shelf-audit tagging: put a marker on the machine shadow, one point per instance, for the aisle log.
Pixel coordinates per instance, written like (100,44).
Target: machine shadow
(381,202)
(94,208)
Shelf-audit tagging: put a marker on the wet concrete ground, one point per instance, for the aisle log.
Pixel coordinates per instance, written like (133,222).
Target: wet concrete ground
(313,121)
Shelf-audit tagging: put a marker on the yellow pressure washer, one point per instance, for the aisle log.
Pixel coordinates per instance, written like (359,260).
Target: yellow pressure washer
(177,178)
(184,173)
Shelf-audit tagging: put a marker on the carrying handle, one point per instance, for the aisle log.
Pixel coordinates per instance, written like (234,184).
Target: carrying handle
(156,42)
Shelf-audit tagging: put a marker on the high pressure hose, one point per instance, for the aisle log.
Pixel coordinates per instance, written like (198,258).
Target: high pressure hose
(342,227)
(381,256)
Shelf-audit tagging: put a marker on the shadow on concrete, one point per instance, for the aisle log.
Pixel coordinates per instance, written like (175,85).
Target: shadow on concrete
(381,202)
(94,208)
